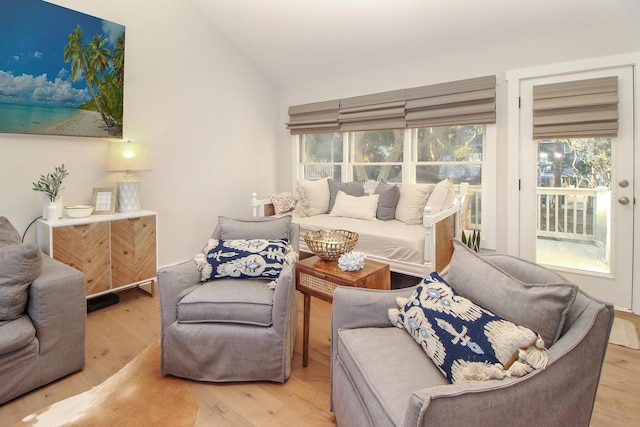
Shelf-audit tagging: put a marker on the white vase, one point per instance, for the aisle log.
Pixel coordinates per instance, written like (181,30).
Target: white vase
(45,206)
(52,212)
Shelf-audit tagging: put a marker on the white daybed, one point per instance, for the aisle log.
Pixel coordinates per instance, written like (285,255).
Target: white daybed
(414,250)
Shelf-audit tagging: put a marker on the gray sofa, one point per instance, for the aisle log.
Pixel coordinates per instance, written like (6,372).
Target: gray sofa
(381,377)
(42,316)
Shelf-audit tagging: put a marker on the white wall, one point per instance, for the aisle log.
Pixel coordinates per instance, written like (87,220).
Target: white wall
(610,38)
(185,85)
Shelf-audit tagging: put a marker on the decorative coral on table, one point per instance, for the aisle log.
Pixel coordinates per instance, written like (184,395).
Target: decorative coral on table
(351,261)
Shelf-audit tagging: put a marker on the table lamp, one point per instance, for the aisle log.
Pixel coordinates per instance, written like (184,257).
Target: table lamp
(130,157)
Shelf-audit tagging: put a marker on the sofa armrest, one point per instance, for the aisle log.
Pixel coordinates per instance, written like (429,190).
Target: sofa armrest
(362,308)
(284,300)
(174,282)
(561,394)
(440,230)
(58,309)
(440,405)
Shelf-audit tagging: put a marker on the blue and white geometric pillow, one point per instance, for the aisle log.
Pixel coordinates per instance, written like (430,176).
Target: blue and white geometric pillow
(244,259)
(465,341)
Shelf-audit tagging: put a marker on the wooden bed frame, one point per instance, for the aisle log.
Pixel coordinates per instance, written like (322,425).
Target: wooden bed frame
(439,231)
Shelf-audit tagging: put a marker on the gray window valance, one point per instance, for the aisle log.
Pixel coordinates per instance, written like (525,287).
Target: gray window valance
(384,110)
(319,117)
(463,102)
(470,101)
(576,109)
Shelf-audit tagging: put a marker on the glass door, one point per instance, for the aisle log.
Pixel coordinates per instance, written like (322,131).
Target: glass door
(576,198)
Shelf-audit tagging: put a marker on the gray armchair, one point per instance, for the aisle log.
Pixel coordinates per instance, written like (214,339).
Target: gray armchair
(230,329)
(381,377)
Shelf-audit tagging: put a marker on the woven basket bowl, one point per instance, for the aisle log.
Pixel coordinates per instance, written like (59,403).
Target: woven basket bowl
(330,244)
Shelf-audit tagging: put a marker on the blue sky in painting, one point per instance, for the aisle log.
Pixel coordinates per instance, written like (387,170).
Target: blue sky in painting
(33,34)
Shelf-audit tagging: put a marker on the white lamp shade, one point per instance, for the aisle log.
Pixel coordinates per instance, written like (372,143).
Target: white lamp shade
(128,156)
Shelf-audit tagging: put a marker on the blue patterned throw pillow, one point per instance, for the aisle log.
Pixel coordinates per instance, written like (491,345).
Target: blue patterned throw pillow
(243,259)
(464,340)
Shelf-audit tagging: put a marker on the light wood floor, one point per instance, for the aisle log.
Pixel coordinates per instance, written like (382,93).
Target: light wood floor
(116,334)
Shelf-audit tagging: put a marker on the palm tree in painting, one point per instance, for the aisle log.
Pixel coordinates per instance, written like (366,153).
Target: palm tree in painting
(111,85)
(118,58)
(90,60)
(97,56)
(111,98)
(73,52)
(97,60)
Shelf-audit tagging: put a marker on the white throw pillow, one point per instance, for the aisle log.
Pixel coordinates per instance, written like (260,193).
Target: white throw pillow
(363,207)
(441,197)
(313,197)
(413,198)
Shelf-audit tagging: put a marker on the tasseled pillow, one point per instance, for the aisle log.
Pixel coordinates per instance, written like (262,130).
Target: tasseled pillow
(465,341)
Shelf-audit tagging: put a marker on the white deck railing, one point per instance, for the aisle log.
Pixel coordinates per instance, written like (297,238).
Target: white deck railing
(573,213)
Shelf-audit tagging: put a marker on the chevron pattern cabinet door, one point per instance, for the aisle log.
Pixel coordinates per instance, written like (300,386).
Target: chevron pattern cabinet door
(133,250)
(114,252)
(86,248)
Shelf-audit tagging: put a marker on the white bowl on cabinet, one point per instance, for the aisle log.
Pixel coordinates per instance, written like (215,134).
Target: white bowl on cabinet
(78,211)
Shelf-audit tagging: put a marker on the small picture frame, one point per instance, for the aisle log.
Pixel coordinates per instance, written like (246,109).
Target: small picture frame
(104,201)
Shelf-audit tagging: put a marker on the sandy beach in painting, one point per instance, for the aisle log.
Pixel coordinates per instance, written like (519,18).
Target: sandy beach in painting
(85,123)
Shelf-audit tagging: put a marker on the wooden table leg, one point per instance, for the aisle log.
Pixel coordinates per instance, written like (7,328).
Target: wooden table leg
(305,334)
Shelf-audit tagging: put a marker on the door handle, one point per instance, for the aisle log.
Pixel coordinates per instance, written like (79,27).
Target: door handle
(623,201)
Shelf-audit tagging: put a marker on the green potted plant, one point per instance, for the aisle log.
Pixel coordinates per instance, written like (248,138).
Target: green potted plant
(472,240)
(51,186)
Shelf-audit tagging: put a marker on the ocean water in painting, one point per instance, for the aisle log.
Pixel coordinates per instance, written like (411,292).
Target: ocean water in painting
(18,118)
(58,64)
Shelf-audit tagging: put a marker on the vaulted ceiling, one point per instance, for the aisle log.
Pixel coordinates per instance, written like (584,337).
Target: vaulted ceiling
(296,40)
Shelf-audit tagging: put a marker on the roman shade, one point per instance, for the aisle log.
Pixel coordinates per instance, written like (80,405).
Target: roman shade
(318,117)
(373,112)
(462,102)
(576,109)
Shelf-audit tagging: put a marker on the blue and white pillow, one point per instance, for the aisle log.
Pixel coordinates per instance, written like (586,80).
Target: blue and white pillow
(464,340)
(243,259)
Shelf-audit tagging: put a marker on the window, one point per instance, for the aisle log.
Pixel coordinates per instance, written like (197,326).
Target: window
(321,156)
(423,134)
(454,152)
(377,155)
(574,163)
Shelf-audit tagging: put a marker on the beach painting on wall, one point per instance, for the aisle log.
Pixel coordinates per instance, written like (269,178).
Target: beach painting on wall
(61,71)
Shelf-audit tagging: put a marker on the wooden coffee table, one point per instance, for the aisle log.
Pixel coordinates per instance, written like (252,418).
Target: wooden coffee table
(318,278)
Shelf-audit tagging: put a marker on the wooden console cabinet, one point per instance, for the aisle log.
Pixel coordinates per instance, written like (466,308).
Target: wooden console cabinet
(114,252)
